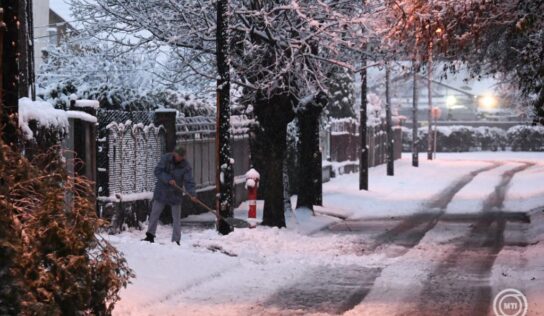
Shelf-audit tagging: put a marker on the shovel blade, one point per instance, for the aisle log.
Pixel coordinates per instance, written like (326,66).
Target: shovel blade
(237,223)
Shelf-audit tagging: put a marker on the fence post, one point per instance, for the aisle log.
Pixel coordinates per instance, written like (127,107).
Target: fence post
(167,118)
(84,141)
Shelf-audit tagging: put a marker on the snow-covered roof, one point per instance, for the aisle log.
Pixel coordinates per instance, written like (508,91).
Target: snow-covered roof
(62,9)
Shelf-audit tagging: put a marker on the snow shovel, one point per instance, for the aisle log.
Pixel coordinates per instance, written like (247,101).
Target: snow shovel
(231,221)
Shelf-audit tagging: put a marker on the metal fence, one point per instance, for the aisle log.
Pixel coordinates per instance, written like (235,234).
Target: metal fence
(341,142)
(133,152)
(197,134)
(128,148)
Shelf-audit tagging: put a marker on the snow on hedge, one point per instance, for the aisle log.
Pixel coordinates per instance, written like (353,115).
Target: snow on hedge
(43,113)
(46,116)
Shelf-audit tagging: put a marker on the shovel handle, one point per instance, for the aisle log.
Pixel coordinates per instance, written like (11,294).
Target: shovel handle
(209,209)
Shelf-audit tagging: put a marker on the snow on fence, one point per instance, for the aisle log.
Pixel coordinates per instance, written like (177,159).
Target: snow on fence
(341,143)
(127,141)
(128,147)
(131,143)
(133,153)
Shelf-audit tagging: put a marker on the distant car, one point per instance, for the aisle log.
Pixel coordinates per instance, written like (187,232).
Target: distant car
(499,115)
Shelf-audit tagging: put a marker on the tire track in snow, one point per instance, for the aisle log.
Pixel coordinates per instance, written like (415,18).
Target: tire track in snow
(460,284)
(323,290)
(339,290)
(496,199)
(411,230)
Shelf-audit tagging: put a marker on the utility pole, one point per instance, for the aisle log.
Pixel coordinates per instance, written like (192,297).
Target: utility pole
(389,123)
(224,162)
(415,99)
(430,98)
(429,88)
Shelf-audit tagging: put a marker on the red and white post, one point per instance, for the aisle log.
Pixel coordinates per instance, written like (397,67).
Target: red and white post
(252,184)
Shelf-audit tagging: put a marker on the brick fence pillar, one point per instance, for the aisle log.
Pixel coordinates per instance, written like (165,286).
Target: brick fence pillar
(167,118)
(83,135)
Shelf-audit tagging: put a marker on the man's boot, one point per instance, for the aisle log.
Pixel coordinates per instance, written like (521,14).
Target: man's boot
(149,237)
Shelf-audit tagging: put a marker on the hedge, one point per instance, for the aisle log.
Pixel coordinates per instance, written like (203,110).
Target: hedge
(467,138)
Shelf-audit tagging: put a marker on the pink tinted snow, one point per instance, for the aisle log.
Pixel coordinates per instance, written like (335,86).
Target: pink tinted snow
(197,281)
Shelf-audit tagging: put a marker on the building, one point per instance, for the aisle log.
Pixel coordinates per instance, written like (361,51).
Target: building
(454,103)
(457,99)
(52,23)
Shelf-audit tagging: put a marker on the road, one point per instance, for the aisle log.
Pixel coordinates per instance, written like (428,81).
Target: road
(438,261)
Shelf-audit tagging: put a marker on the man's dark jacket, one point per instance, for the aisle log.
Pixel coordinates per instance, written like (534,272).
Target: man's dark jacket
(166,170)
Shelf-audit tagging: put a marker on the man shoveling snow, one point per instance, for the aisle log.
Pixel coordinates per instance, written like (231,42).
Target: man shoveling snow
(172,171)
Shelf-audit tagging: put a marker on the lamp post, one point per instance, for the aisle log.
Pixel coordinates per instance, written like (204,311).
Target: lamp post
(429,86)
(430,101)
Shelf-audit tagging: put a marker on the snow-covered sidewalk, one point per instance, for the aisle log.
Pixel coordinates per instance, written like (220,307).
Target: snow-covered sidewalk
(238,274)
(215,275)
(412,188)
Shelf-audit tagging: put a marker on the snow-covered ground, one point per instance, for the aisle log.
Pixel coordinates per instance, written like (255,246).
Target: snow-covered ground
(213,275)
(239,273)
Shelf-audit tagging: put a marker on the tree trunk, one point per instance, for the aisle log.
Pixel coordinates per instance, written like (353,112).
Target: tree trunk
(2,29)
(224,163)
(415,140)
(10,72)
(26,50)
(363,159)
(310,173)
(389,123)
(273,114)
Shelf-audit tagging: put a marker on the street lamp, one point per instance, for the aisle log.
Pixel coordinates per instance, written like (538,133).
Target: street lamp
(451,100)
(488,102)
